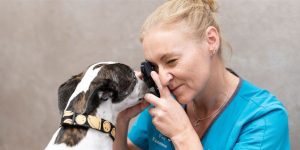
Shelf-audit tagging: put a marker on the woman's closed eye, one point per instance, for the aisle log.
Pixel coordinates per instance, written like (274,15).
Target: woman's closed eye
(171,62)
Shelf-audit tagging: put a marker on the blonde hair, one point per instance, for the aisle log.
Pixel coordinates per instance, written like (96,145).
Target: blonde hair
(198,14)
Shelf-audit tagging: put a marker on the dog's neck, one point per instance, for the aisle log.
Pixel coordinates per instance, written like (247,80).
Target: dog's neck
(106,111)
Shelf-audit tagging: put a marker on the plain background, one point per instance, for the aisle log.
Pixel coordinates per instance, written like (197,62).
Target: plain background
(44,42)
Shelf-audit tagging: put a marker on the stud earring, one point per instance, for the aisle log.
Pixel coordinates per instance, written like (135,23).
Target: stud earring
(212,52)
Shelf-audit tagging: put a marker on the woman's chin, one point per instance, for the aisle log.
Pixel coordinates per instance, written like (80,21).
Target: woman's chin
(183,99)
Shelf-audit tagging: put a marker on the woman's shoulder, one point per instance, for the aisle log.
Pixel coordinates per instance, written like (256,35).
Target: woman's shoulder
(255,104)
(249,93)
(259,116)
(260,97)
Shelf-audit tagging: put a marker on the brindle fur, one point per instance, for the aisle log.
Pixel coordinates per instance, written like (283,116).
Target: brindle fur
(86,103)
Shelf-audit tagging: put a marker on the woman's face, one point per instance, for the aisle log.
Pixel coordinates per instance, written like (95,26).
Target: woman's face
(182,61)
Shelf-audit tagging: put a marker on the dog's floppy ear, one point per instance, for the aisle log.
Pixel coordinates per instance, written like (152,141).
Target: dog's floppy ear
(65,91)
(100,90)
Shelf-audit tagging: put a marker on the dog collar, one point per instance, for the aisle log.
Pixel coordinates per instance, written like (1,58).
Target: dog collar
(88,121)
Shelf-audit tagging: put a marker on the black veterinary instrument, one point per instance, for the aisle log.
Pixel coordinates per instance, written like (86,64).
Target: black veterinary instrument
(146,68)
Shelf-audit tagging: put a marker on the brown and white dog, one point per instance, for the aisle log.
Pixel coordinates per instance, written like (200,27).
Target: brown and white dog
(89,103)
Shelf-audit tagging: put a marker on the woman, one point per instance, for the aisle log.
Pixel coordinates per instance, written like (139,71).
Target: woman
(214,107)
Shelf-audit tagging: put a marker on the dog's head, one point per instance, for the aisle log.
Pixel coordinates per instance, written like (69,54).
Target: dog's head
(101,82)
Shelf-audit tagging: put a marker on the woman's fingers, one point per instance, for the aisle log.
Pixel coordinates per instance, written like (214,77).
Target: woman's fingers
(157,114)
(165,94)
(152,111)
(138,74)
(152,99)
(163,90)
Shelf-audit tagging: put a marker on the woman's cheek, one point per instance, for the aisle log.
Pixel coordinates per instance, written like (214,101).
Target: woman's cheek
(185,97)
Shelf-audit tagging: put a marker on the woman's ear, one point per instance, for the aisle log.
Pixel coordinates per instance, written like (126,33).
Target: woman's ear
(213,40)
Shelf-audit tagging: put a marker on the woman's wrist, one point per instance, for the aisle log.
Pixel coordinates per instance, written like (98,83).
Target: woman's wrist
(121,133)
(121,119)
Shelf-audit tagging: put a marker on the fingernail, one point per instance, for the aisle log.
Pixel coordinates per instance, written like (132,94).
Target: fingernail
(146,95)
(152,73)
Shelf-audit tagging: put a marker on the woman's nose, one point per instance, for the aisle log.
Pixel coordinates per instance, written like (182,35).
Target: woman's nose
(165,77)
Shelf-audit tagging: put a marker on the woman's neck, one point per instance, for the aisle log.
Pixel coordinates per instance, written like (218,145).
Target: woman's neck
(219,89)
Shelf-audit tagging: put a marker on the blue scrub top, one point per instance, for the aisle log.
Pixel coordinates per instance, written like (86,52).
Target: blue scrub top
(253,119)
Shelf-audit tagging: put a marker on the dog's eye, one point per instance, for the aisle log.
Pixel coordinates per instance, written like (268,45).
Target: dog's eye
(99,94)
(103,95)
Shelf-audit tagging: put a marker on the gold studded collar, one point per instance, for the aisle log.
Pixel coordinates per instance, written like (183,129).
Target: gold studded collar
(88,121)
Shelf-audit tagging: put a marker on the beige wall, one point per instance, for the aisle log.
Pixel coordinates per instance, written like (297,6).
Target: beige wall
(44,42)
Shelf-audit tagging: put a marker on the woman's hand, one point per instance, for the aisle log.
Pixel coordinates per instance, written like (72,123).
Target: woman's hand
(129,113)
(168,115)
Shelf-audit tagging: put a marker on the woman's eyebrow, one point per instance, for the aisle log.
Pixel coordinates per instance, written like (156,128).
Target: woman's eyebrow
(166,56)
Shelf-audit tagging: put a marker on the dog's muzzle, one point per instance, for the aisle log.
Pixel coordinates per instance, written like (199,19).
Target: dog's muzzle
(70,118)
